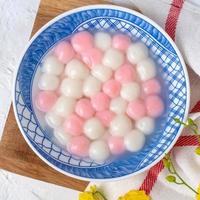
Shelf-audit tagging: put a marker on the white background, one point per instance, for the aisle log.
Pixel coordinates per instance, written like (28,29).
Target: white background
(16,21)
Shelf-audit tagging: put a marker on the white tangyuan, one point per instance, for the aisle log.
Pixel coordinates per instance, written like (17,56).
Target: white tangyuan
(130,91)
(93,128)
(137,52)
(118,105)
(91,86)
(99,151)
(52,65)
(102,72)
(72,88)
(61,135)
(134,140)
(113,58)
(146,125)
(53,120)
(48,82)
(120,125)
(102,40)
(146,69)
(64,106)
(75,69)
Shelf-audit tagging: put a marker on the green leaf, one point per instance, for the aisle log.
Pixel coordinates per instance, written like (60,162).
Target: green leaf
(170,178)
(177,120)
(192,123)
(166,163)
(195,131)
(197,151)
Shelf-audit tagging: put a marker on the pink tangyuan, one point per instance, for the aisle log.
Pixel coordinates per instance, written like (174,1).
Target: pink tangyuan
(126,73)
(73,125)
(112,88)
(92,57)
(100,101)
(45,100)
(121,42)
(79,146)
(136,109)
(116,145)
(106,116)
(82,41)
(64,51)
(84,108)
(151,86)
(154,106)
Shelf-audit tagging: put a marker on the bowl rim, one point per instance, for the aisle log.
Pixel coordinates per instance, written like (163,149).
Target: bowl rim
(120,8)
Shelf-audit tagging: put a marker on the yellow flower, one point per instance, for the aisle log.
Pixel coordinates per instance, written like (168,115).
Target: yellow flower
(93,188)
(198,195)
(93,194)
(86,196)
(135,195)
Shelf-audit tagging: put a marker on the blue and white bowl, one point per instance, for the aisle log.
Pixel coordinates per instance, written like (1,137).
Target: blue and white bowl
(109,18)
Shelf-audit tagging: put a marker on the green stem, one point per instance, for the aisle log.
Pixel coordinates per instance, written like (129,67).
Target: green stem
(178,183)
(171,172)
(183,182)
(183,124)
(99,196)
(194,129)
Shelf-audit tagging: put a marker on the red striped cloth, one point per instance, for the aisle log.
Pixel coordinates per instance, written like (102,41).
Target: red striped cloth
(173,13)
(189,140)
(172,18)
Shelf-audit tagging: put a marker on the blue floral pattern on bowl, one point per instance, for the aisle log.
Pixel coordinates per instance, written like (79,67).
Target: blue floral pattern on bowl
(112,19)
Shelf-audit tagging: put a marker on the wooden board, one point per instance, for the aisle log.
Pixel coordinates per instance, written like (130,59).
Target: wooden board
(15,155)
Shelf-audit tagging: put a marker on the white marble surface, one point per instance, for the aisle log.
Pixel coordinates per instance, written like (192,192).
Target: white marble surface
(195,2)
(16,22)
(16,187)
